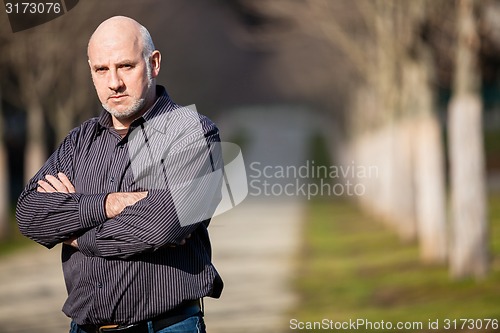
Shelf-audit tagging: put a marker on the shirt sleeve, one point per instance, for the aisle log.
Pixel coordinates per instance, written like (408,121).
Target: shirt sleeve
(183,192)
(51,218)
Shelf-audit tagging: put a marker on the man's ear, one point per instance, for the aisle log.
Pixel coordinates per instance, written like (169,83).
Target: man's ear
(91,71)
(155,63)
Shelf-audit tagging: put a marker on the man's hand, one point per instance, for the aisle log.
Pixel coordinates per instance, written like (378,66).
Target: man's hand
(116,202)
(53,184)
(62,185)
(72,242)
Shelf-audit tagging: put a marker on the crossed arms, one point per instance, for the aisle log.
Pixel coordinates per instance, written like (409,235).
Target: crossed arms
(119,224)
(114,203)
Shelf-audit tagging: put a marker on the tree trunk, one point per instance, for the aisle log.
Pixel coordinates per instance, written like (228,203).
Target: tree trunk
(4,192)
(427,156)
(403,186)
(469,255)
(63,123)
(35,151)
(4,181)
(468,193)
(430,196)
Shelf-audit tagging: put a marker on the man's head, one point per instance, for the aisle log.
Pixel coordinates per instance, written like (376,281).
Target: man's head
(124,65)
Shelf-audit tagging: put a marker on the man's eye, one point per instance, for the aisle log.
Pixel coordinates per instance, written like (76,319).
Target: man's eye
(100,70)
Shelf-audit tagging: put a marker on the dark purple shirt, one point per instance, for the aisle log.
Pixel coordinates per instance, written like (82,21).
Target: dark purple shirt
(125,269)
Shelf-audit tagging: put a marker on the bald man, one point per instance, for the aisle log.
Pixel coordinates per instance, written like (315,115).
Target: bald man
(136,253)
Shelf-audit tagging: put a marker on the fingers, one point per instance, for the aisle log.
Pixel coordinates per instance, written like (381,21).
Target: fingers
(52,184)
(182,242)
(66,182)
(44,187)
(56,183)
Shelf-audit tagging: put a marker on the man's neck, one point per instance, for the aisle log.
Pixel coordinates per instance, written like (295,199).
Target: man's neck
(122,124)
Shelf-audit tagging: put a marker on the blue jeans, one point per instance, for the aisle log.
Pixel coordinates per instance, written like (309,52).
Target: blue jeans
(194,324)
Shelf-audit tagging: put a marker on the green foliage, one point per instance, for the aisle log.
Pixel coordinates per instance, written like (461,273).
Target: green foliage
(352,267)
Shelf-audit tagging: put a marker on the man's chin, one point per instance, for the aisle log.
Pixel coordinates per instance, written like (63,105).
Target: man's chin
(121,114)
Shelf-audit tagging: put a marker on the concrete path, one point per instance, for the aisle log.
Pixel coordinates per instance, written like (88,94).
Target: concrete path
(254,250)
(32,292)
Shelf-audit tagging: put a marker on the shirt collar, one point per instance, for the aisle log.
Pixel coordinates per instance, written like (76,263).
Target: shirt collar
(157,116)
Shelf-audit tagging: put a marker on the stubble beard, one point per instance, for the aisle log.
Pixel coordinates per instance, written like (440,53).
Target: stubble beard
(127,113)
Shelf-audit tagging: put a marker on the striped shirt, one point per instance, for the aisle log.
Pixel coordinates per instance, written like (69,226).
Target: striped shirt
(125,269)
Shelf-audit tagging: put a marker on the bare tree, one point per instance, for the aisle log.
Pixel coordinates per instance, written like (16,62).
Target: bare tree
(73,95)
(4,179)
(419,86)
(34,82)
(49,79)
(4,172)
(392,113)
(469,255)
(398,121)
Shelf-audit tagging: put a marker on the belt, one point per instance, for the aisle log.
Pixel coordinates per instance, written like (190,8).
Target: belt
(178,314)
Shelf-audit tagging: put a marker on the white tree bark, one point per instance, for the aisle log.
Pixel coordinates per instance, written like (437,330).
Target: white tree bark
(427,158)
(403,194)
(469,254)
(430,196)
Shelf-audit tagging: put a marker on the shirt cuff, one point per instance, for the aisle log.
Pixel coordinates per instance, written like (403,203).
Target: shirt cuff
(87,243)
(92,212)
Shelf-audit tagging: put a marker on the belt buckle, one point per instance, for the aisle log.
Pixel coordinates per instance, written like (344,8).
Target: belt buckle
(105,328)
(114,328)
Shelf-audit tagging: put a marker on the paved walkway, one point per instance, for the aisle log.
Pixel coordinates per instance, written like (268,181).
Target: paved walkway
(254,247)
(32,292)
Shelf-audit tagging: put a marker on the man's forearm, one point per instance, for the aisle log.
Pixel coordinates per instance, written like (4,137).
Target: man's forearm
(116,202)
(114,205)
(50,218)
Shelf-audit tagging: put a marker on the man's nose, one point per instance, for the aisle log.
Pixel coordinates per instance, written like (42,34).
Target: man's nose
(114,82)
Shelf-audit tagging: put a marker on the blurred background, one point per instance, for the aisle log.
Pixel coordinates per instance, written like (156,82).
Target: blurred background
(370,130)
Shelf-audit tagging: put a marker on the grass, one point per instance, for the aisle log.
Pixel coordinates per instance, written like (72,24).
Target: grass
(13,240)
(13,243)
(352,267)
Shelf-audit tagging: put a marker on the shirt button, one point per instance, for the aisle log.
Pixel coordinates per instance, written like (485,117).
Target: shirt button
(99,285)
(112,179)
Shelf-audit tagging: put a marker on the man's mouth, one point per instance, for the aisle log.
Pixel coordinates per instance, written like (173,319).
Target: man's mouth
(117,97)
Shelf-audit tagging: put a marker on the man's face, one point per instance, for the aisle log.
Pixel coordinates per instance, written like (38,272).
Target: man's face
(121,76)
